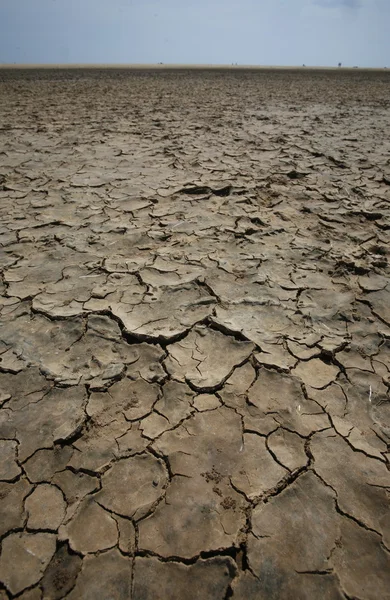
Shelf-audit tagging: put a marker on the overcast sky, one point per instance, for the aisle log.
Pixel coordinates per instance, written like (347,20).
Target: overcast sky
(265,32)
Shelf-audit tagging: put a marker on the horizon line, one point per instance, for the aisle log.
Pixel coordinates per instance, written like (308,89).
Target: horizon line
(161,65)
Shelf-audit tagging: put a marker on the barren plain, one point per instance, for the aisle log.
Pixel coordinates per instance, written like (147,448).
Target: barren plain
(194,334)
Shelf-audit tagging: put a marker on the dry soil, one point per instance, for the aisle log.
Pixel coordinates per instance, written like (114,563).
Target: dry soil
(195,334)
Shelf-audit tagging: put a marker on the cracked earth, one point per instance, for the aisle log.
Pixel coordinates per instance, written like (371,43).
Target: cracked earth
(195,335)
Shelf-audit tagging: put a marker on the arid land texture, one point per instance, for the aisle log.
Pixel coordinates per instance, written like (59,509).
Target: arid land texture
(195,334)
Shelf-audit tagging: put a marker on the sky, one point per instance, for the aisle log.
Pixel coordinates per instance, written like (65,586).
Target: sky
(247,32)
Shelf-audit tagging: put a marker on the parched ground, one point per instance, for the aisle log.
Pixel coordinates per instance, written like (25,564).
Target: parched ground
(195,334)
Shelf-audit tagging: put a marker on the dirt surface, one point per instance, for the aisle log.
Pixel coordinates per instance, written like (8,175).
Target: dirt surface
(195,334)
